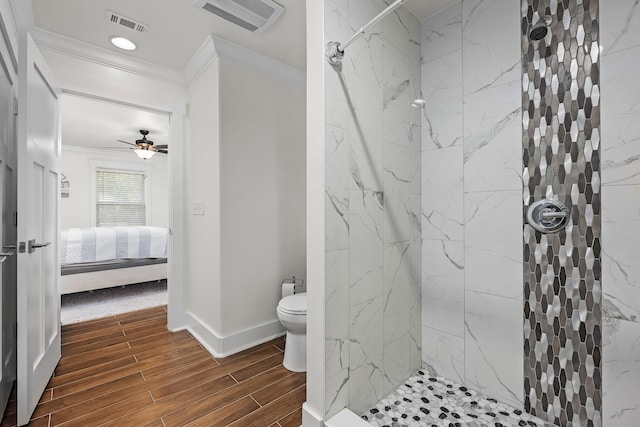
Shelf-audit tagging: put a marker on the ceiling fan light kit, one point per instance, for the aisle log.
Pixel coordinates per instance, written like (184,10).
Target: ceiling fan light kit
(144,148)
(144,154)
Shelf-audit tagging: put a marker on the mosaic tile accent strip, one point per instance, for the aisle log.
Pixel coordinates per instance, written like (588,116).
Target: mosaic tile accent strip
(561,157)
(435,401)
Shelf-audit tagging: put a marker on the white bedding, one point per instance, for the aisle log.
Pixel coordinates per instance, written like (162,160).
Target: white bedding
(106,243)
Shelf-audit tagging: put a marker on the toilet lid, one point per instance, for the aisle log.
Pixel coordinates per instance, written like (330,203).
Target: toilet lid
(294,304)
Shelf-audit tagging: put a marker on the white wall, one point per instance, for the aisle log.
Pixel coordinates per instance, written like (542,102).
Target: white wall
(202,183)
(75,211)
(245,160)
(262,193)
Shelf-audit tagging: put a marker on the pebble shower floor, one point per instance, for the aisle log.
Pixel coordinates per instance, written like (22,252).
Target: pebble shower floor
(435,401)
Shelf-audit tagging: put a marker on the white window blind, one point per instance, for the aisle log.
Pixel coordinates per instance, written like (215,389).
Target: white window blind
(120,198)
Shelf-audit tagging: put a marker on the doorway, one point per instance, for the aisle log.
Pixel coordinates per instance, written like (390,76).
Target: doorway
(114,207)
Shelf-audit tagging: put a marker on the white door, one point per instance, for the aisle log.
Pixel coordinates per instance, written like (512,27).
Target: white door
(38,228)
(8,229)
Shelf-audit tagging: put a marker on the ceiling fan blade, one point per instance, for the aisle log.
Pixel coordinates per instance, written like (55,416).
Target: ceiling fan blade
(125,142)
(163,151)
(162,146)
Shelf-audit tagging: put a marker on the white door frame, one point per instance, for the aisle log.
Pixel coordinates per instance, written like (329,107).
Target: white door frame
(175,168)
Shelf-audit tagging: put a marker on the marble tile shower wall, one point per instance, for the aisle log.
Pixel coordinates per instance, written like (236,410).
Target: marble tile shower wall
(372,205)
(471,197)
(620,152)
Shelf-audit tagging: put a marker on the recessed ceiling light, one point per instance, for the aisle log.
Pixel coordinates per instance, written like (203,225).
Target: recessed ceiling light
(122,43)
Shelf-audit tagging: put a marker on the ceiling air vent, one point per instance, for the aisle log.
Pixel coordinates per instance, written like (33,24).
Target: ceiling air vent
(252,15)
(116,18)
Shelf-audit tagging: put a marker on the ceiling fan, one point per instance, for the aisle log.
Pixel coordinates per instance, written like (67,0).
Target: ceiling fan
(144,148)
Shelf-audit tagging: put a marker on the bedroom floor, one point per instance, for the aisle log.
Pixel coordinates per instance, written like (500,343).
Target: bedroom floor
(129,370)
(90,305)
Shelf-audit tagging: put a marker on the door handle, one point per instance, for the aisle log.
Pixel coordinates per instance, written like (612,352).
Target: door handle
(32,245)
(5,255)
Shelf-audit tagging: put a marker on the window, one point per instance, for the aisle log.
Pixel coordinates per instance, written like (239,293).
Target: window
(120,198)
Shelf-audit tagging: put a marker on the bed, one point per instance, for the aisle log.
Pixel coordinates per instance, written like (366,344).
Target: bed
(103,257)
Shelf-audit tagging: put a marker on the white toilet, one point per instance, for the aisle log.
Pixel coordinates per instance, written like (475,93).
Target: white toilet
(292,312)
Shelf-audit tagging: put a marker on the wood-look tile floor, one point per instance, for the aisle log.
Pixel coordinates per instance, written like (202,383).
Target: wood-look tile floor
(128,370)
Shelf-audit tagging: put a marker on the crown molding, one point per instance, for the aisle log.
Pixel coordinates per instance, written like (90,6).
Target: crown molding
(200,60)
(214,47)
(55,42)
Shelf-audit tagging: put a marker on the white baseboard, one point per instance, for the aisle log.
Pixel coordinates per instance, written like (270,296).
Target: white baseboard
(221,346)
(310,418)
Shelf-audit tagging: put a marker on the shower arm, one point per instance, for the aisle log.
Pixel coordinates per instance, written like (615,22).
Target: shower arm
(335,50)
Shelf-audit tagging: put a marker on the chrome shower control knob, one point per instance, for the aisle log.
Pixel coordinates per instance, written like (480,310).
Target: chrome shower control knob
(547,215)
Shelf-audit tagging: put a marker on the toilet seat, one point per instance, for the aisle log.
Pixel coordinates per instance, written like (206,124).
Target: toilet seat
(294,304)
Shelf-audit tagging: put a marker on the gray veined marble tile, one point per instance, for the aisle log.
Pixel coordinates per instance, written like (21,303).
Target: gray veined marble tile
(493,139)
(364,56)
(336,222)
(443,354)
(336,393)
(366,258)
(397,363)
(398,293)
(396,97)
(442,33)
(415,70)
(619,25)
(621,152)
(367,103)
(339,98)
(366,167)
(397,161)
(361,12)
(416,220)
(415,30)
(397,211)
(365,131)
(336,188)
(443,286)
(415,159)
(366,354)
(494,346)
(490,32)
(620,373)
(442,194)
(337,312)
(336,20)
(620,269)
(415,323)
(397,187)
(442,120)
(493,243)
(396,29)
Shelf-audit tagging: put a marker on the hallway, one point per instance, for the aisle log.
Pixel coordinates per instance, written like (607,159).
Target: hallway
(129,370)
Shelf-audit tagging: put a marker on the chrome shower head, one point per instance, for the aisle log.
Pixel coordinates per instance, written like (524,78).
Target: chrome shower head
(540,30)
